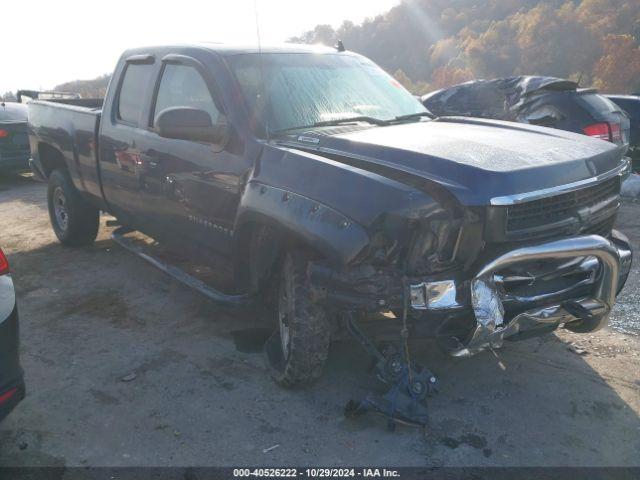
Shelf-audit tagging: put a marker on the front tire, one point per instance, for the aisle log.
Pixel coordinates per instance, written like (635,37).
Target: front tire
(75,222)
(298,349)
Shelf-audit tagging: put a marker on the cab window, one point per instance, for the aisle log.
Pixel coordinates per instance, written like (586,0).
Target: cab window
(183,86)
(133,92)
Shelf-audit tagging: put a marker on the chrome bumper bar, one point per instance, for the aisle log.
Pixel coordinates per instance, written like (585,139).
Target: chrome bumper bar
(607,261)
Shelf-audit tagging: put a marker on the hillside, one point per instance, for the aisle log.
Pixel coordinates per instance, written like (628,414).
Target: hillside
(95,88)
(430,44)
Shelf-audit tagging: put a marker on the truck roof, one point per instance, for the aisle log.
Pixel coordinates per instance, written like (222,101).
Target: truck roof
(235,49)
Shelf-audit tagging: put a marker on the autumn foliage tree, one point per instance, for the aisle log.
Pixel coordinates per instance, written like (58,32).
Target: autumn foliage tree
(436,43)
(618,68)
(430,44)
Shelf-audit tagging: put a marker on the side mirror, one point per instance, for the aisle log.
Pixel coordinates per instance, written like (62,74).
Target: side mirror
(183,123)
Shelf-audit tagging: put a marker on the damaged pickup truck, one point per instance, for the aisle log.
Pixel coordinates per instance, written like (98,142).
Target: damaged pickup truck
(334,194)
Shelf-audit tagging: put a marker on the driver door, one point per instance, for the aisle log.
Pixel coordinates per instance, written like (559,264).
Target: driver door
(191,188)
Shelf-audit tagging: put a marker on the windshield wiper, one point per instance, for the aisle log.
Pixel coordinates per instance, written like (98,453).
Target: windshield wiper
(414,115)
(337,121)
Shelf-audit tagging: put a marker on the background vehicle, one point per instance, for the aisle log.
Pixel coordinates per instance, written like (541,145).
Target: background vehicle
(12,389)
(14,140)
(24,96)
(631,105)
(330,191)
(546,101)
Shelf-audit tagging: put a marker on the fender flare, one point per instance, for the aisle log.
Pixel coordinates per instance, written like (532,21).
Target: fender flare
(337,238)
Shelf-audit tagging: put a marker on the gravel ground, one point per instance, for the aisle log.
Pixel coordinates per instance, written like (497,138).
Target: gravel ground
(126,367)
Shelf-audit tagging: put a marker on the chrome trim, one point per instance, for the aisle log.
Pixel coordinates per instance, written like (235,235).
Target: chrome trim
(490,333)
(434,295)
(543,316)
(626,257)
(589,266)
(569,187)
(584,246)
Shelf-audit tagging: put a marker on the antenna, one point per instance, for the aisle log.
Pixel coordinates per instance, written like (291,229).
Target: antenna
(262,94)
(255,11)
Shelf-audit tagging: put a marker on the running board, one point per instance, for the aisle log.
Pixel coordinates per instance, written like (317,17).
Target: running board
(183,277)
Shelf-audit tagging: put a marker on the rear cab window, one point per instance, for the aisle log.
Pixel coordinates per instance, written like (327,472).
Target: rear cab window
(133,92)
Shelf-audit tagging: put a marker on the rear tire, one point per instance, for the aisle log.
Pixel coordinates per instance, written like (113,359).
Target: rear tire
(298,349)
(75,222)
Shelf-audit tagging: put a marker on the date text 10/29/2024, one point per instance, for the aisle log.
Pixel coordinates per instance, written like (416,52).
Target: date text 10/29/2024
(315,473)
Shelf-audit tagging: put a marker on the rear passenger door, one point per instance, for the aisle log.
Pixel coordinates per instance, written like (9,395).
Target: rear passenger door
(122,133)
(195,185)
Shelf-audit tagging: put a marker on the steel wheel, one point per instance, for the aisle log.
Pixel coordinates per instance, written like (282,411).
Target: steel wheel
(75,220)
(60,208)
(284,316)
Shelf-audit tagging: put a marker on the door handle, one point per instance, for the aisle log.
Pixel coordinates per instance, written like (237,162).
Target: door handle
(149,161)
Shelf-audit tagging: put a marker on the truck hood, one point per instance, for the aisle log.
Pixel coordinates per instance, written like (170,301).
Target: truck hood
(476,160)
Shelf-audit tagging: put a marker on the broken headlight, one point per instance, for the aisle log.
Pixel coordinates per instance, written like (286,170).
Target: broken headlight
(443,244)
(433,247)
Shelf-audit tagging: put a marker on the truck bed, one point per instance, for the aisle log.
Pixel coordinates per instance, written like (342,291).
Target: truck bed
(88,103)
(71,127)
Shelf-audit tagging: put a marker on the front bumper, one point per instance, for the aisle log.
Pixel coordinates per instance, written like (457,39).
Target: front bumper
(602,263)
(570,280)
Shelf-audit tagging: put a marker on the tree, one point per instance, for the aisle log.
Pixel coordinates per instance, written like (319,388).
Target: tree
(417,88)
(446,76)
(8,97)
(618,70)
(435,42)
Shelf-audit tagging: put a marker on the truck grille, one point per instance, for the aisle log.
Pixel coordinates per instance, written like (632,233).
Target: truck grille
(548,211)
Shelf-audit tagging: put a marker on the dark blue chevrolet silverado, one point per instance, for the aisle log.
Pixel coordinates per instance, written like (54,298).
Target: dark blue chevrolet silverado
(333,193)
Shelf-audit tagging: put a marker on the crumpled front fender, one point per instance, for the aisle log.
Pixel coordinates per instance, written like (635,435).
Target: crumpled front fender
(327,231)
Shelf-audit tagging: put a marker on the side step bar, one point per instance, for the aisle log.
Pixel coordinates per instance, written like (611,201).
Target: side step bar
(183,277)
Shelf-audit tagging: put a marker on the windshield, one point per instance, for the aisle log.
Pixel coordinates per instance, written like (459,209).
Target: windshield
(304,89)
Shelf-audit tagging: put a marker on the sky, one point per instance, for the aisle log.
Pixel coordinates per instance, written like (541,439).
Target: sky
(55,42)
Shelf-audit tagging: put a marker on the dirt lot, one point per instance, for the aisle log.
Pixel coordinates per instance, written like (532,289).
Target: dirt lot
(201,395)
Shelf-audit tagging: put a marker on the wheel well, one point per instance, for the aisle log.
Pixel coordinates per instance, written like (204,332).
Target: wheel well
(260,249)
(50,158)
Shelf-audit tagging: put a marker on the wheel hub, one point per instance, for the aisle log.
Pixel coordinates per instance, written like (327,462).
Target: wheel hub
(60,208)
(283,319)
